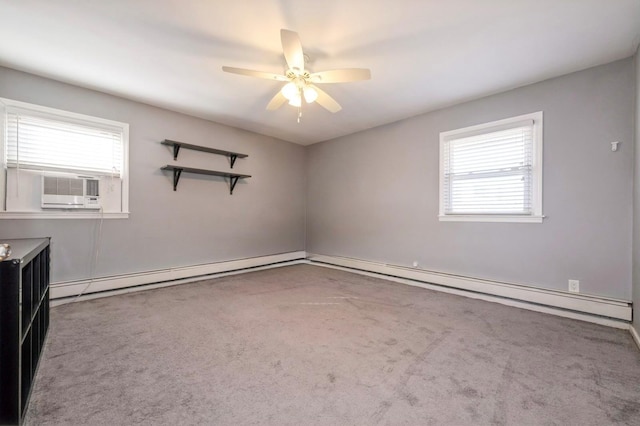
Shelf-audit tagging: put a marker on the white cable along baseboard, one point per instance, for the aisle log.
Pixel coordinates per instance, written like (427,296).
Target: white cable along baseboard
(107,286)
(611,312)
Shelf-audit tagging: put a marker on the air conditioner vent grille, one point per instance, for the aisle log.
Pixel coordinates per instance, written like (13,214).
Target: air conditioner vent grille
(62,186)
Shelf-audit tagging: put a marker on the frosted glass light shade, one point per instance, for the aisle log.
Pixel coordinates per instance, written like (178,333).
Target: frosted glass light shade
(310,94)
(295,101)
(290,91)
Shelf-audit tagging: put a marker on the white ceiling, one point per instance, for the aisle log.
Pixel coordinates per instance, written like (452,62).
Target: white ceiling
(423,54)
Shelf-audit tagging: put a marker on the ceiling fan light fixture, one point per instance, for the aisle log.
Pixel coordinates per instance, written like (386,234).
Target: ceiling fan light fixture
(290,91)
(310,94)
(296,101)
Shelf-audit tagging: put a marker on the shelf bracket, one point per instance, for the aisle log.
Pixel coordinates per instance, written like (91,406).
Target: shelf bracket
(176,177)
(233,158)
(176,150)
(232,183)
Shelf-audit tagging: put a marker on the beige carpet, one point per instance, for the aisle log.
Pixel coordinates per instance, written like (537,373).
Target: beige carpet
(305,345)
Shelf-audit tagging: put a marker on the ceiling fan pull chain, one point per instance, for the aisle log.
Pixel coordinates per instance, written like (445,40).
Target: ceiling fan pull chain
(300,107)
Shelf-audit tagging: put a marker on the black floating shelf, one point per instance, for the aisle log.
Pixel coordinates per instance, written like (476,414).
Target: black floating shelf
(177,145)
(177,171)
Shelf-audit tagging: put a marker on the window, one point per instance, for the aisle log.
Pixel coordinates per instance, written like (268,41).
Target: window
(43,142)
(493,172)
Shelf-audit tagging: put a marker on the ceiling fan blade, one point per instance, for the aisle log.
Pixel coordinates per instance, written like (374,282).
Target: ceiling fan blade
(326,101)
(292,49)
(252,73)
(341,76)
(276,102)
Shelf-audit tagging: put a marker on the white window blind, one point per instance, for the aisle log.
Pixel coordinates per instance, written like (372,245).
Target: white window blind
(490,173)
(36,141)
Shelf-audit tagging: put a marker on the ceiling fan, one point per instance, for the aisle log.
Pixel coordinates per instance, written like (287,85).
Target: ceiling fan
(300,82)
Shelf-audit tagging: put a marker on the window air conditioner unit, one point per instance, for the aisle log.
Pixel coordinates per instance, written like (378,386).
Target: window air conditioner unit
(70,192)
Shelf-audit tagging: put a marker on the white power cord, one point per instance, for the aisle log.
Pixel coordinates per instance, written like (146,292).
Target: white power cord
(96,246)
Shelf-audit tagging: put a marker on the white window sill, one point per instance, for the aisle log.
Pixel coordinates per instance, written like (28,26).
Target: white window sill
(64,215)
(490,218)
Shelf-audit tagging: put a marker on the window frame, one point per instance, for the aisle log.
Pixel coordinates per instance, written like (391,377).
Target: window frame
(536,215)
(72,118)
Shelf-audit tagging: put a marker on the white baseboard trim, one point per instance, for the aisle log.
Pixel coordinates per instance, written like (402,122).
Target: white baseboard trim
(107,286)
(610,312)
(635,335)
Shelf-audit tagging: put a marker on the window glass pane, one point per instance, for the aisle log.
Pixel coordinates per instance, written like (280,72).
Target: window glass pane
(496,195)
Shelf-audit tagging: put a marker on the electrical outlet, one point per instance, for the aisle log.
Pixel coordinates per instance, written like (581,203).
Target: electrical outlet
(574,286)
(415,263)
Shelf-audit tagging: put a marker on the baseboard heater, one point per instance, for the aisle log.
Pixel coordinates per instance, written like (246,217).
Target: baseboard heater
(550,301)
(612,312)
(71,290)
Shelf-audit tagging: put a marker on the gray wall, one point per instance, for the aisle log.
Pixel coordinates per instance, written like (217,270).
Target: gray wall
(636,202)
(201,222)
(373,195)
